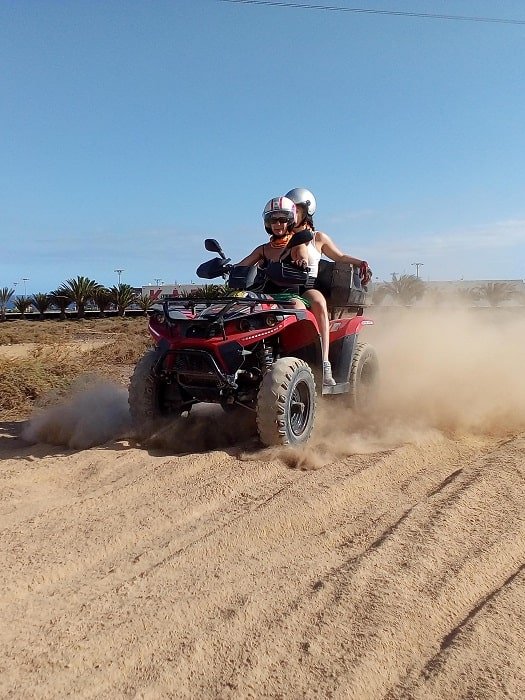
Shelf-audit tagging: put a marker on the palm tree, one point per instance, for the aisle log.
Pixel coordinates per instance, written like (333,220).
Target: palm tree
(207,291)
(80,290)
(378,294)
(5,296)
(123,295)
(145,302)
(102,298)
(496,292)
(22,304)
(470,295)
(434,296)
(404,289)
(60,301)
(41,302)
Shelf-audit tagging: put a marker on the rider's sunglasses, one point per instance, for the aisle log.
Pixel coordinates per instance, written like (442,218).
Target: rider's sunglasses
(278,220)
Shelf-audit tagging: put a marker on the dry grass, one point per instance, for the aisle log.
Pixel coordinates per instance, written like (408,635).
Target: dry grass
(51,368)
(55,331)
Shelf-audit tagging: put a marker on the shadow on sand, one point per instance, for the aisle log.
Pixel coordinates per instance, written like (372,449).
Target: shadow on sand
(203,430)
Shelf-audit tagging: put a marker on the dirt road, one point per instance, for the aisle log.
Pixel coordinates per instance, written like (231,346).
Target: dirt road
(376,563)
(133,573)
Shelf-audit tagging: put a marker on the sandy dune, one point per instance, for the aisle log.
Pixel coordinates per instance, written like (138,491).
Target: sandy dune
(386,560)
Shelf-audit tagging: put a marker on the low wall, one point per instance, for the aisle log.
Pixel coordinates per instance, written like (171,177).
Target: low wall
(71,315)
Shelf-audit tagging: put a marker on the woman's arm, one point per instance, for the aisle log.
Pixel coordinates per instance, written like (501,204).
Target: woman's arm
(331,251)
(254,257)
(299,255)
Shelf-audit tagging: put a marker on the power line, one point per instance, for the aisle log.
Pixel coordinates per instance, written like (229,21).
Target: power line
(362,10)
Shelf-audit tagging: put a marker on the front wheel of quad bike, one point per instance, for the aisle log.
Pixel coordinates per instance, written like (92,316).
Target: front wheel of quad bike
(151,401)
(286,403)
(363,377)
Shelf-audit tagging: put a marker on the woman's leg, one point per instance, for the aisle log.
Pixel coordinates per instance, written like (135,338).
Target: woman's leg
(320,311)
(296,304)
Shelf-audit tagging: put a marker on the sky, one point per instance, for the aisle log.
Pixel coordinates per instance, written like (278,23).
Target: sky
(131,131)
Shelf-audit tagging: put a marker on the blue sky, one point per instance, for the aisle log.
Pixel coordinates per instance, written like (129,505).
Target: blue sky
(130,131)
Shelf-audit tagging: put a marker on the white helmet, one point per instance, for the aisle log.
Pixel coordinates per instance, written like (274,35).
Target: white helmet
(279,207)
(301,196)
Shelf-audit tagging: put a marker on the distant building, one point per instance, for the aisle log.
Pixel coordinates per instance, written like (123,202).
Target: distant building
(158,292)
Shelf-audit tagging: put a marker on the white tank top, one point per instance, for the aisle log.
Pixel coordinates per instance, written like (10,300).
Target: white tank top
(314,255)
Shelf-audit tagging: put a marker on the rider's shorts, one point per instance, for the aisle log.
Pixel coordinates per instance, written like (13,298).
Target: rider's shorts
(290,296)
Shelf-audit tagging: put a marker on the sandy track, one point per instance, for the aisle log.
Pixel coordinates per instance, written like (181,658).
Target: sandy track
(393,574)
(390,565)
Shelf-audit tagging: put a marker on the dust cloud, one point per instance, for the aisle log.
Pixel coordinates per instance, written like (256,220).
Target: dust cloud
(442,374)
(93,413)
(453,371)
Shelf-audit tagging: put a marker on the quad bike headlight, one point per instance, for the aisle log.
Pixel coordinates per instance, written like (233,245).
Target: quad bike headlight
(271,320)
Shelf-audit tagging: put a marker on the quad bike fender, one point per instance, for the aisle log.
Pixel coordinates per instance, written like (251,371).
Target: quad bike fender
(344,334)
(159,331)
(299,334)
(161,352)
(341,327)
(302,340)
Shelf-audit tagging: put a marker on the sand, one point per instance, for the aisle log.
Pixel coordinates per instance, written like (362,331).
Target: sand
(384,560)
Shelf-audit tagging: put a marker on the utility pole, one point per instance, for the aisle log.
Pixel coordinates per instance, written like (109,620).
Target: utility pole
(417,266)
(119,272)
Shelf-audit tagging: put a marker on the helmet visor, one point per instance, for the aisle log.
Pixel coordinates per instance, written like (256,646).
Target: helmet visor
(281,217)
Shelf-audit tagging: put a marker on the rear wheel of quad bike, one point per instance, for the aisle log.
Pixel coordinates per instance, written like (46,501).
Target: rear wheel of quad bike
(363,377)
(286,403)
(151,401)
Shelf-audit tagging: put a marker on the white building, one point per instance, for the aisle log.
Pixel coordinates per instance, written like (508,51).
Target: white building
(157,292)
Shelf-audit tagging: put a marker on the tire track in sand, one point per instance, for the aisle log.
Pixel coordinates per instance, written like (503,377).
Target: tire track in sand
(265,598)
(375,620)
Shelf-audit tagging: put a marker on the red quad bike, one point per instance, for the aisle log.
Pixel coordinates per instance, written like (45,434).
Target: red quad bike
(251,354)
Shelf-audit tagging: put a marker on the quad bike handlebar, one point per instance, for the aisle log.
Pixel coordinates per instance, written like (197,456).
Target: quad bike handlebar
(244,277)
(342,284)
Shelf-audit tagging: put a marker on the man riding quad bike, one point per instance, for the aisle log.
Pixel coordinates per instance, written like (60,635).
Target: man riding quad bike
(249,353)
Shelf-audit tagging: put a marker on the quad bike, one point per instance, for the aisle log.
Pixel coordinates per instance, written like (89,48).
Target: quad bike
(250,354)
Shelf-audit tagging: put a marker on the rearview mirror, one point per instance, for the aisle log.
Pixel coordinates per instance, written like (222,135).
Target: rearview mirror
(214,246)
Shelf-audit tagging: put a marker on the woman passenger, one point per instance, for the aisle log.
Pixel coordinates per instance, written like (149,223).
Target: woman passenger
(321,244)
